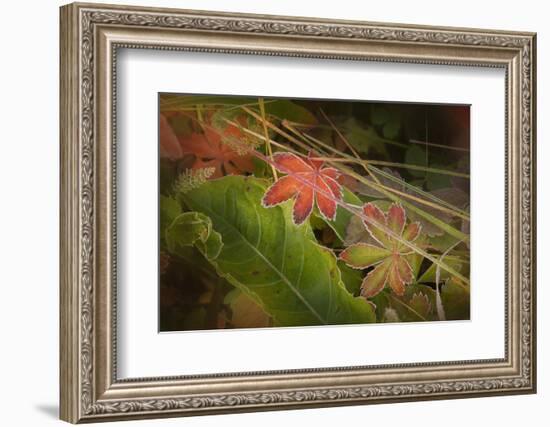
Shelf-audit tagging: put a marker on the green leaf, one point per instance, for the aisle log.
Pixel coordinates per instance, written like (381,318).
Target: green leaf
(443,242)
(285,109)
(379,114)
(437,181)
(456,301)
(169,210)
(219,118)
(420,303)
(415,260)
(453,261)
(417,304)
(391,130)
(168,172)
(364,139)
(389,119)
(363,255)
(275,262)
(193,229)
(260,168)
(351,277)
(343,216)
(416,155)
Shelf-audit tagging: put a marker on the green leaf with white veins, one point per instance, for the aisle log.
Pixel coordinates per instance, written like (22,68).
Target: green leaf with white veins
(269,258)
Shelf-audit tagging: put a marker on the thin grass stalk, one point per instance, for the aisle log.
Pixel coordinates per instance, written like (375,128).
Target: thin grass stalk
(418,168)
(266,134)
(433,144)
(417,190)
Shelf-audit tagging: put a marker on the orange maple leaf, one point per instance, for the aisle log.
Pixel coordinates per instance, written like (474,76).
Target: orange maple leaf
(208,147)
(307,181)
(389,258)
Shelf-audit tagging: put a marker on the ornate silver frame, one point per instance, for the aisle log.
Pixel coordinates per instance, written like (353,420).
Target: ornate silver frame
(90,36)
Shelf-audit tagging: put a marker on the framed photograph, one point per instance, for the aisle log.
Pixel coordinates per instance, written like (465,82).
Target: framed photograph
(265,212)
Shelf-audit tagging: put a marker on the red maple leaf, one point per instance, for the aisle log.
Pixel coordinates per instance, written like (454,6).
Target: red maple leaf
(208,147)
(211,151)
(307,181)
(389,257)
(169,144)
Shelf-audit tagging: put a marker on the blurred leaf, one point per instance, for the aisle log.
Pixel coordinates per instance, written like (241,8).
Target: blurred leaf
(388,119)
(219,117)
(390,315)
(417,304)
(343,216)
(169,210)
(195,319)
(428,227)
(181,124)
(416,155)
(456,301)
(168,171)
(415,259)
(356,231)
(169,146)
(452,261)
(379,114)
(260,168)
(435,181)
(452,195)
(285,109)
(443,242)
(364,139)
(420,303)
(391,130)
(246,312)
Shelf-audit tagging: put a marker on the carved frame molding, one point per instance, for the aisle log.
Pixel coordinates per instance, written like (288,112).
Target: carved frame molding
(90,37)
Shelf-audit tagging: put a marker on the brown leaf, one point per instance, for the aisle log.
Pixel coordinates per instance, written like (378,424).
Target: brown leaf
(247,314)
